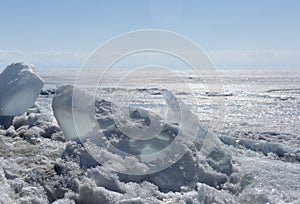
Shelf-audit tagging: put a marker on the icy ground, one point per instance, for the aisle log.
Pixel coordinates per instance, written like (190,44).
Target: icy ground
(260,140)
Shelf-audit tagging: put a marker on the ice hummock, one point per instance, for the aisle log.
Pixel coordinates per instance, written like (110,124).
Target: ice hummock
(211,166)
(19,88)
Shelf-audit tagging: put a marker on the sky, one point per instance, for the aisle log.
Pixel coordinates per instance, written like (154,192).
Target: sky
(236,34)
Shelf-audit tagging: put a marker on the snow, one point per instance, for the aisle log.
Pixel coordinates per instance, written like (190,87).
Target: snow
(6,194)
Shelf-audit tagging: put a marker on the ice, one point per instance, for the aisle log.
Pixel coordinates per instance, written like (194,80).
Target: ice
(62,110)
(64,113)
(6,196)
(264,147)
(204,160)
(256,160)
(19,89)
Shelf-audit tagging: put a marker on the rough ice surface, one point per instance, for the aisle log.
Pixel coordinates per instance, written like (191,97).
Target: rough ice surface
(189,170)
(254,162)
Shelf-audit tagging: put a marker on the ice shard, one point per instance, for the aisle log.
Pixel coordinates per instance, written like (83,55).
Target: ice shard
(19,88)
(64,113)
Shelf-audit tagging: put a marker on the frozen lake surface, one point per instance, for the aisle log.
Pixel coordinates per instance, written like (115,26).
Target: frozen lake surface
(256,116)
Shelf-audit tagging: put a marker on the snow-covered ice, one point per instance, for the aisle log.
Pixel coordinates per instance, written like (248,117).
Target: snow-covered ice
(256,160)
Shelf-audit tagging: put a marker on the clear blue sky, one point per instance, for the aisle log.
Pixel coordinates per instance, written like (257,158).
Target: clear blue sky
(58,34)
